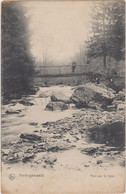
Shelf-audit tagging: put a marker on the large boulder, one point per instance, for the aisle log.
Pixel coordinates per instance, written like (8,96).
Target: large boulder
(84,95)
(45,94)
(56,106)
(59,96)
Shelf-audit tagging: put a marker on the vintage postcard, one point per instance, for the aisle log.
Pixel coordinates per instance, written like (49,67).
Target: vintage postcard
(63,96)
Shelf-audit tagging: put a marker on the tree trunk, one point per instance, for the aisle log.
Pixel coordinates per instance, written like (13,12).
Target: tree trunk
(104,61)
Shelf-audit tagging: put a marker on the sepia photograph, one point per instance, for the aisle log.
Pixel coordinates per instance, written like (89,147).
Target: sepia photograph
(62,96)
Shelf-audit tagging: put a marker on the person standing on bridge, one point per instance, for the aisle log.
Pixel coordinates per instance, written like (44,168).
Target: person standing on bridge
(73,66)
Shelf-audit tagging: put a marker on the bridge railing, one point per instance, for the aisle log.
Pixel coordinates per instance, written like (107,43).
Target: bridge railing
(67,69)
(57,70)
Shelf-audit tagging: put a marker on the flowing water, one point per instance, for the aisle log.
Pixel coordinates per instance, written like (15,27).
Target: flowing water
(30,116)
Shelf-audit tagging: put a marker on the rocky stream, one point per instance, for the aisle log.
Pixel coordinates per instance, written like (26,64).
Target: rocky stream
(63,127)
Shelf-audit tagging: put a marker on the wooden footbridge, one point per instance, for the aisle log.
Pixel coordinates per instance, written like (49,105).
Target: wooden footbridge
(66,71)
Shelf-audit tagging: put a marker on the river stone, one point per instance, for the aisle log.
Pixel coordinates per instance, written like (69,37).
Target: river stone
(50,159)
(28,157)
(94,105)
(26,103)
(59,96)
(120,96)
(30,137)
(13,112)
(45,94)
(89,151)
(87,93)
(72,105)
(56,106)
(78,101)
(99,162)
(116,102)
(33,90)
(121,107)
(12,158)
(5,152)
(111,108)
(55,146)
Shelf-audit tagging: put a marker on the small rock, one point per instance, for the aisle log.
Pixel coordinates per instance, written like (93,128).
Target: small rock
(68,140)
(39,161)
(33,123)
(56,106)
(30,137)
(35,131)
(26,103)
(121,96)
(116,153)
(28,157)
(92,104)
(45,124)
(72,105)
(89,151)
(99,162)
(116,102)
(86,165)
(13,158)
(33,90)
(121,107)
(55,147)
(13,112)
(5,152)
(57,136)
(50,160)
(77,139)
(111,108)
(98,153)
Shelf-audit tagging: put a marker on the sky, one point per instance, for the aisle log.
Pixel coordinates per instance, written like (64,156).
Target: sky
(58,28)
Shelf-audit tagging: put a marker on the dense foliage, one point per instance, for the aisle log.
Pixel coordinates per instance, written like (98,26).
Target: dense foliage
(107,37)
(17,62)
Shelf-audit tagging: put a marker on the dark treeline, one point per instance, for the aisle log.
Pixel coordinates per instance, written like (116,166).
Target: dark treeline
(17,62)
(107,39)
(104,48)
